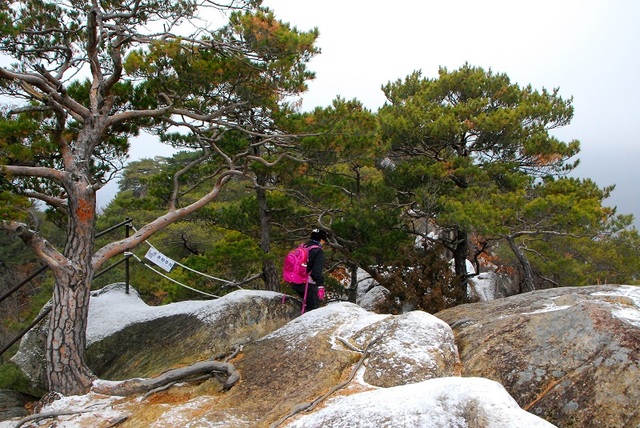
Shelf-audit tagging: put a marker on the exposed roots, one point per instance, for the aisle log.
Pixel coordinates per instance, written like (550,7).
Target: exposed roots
(184,374)
(196,372)
(47,415)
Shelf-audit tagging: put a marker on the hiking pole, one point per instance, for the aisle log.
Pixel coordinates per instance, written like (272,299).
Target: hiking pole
(304,300)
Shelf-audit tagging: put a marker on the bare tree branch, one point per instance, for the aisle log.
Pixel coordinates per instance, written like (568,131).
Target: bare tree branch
(38,244)
(76,109)
(60,203)
(114,248)
(34,171)
(47,415)
(173,201)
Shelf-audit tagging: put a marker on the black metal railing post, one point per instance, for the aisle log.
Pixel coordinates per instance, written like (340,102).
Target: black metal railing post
(126,268)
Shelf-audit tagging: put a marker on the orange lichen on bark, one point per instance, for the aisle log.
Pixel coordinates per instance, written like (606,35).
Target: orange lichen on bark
(85,211)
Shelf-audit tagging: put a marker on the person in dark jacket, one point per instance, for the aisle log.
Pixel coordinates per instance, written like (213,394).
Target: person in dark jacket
(315,266)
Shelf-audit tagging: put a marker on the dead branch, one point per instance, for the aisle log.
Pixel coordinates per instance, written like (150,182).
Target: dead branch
(158,389)
(173,201)
(137,386)
(39,416)
(234,354)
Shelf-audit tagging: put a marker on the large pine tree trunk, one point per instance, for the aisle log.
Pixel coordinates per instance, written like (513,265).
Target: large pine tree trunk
(67,371)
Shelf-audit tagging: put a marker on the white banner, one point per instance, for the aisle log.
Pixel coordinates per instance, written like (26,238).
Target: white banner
(160,259)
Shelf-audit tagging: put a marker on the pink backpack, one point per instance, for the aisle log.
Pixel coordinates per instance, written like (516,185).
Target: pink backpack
(294,268)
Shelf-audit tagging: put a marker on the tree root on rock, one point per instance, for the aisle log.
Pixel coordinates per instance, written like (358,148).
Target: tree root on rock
(47,415)
(195,372)
(184,374)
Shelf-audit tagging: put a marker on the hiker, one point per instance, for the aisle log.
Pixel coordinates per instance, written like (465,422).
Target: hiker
(315,266)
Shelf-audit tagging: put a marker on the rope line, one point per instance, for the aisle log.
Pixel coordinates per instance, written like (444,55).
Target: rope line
(187,267)
(202,273)
(171,279)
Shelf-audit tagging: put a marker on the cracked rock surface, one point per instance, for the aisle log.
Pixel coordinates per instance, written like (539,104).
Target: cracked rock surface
(569,355)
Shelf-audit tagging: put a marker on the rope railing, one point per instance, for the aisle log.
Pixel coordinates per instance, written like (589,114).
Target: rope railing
(127,256)
(187,267)
(205,275)
(171,279)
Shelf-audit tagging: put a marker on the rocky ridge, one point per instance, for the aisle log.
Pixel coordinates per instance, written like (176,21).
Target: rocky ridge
(563,357)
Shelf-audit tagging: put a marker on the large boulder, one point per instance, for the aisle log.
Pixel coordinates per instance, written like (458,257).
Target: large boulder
(160,337)
(317,351)
(127,338)
(446,402)
(569,355)
(428,350)
(491,285)
(369,294)
(325,368)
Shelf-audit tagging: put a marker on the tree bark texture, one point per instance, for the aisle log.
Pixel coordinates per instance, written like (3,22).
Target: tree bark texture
(353,287)
(67,371)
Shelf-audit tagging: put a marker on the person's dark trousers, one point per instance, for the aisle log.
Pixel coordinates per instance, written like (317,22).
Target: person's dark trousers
(312,295)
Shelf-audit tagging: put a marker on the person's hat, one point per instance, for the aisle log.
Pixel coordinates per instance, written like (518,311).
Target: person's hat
(318,235)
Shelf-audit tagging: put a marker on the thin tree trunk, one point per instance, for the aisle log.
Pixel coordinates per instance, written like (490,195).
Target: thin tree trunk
(460,252)
(270,274)
(269,271)
(353,287)
(527,282)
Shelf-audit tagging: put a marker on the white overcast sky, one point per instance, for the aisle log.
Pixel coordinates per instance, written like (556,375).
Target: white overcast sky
(590,49)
